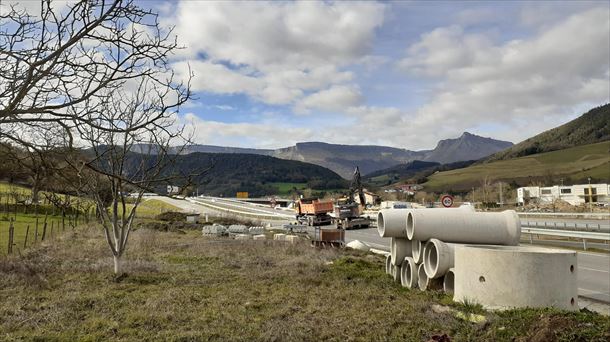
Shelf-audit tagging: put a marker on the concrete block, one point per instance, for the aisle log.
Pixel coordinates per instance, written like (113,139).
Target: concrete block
(279,237)
(503,277)
(243,237)
(259,237)
(292,238)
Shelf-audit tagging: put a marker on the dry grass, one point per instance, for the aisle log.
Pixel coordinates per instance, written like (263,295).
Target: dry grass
(186,287)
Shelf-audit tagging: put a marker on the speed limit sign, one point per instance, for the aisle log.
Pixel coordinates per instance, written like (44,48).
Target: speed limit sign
(447,201)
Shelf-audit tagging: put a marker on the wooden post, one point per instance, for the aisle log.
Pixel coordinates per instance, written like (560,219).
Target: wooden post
(27,232)
(44,229)
(52,224)
(11,231)
(63,221)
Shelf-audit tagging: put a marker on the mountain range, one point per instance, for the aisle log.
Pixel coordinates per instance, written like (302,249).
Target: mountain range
(342,159)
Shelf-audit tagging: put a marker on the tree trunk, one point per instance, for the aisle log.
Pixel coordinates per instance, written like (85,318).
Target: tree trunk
(117,265)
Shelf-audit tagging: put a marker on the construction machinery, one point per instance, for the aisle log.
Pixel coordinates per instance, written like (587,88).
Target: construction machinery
(347,211)
(313,212)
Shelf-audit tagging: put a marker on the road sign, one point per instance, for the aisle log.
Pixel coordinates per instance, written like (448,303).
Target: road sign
(447,201)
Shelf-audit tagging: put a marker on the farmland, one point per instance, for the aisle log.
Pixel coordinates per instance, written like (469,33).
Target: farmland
(575,163)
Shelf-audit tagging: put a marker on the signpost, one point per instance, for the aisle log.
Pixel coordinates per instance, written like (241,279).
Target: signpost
(447,201)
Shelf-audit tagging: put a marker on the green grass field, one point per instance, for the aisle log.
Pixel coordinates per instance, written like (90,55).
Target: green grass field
(21,223)
(286,188)
(577,163)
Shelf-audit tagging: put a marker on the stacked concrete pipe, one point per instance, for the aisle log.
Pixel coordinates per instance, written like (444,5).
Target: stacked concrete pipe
(417,251)
(392,223)
(438,258)
(424,283)
(449,281)
(464,226)
(399,249)
(408,273)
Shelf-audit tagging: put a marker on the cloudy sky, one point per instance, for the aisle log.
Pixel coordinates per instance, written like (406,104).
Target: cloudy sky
(403,74)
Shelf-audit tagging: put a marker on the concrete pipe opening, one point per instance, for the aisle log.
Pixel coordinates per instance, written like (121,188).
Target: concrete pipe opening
(448,281)
(410,225)
(396,273)
(417,251)
(380,224)
(422,278)
(392,223)
(409,273)
(438,258)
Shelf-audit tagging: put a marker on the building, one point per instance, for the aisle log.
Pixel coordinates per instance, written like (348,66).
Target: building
(369,197)
(574,194)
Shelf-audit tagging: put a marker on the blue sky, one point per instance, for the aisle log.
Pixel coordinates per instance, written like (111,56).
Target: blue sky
(404,74)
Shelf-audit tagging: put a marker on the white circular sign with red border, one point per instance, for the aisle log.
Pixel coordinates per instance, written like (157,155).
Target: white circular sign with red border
(447,201)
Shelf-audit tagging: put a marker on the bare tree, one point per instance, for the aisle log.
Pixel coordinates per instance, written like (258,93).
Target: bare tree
(62,64)
(122,164)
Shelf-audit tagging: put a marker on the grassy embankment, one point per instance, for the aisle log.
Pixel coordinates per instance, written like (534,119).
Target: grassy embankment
(186,287)
(148,209)
(577,163)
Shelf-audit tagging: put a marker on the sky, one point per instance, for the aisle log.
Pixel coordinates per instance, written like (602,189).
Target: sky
(402,74)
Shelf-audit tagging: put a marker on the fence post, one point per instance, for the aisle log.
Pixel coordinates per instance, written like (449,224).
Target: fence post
(27,232)
(44,230)
(11,230)
(52,224)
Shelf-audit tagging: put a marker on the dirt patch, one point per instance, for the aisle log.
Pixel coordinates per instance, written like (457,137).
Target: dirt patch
(548,329)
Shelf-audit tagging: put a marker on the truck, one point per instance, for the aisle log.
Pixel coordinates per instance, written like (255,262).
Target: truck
(313,211)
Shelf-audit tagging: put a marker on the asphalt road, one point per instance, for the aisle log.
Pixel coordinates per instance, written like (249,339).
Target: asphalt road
(593,268)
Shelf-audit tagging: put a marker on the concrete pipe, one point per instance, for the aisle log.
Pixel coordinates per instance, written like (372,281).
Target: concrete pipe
(464,226)
(396,273)
(417,249)
(399,249)
(388,264)
(501,277)
(392,223)
(449,281)
(424,283)
(408,273)
(438,258)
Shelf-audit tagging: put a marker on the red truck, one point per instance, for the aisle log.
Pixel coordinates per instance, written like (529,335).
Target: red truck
(313,212)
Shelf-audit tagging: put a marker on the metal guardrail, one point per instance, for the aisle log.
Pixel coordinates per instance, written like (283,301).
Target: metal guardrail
(575,226)
(582,235)
(578,215)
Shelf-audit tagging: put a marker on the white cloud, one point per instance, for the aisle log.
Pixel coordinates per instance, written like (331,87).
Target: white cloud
(278,51)
(261,135)
(549,74)
(336,98)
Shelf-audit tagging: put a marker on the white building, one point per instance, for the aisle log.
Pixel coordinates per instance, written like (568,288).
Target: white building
(575,194)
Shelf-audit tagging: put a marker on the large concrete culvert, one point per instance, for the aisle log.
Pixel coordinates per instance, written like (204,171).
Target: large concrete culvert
(400,248)
(408,273)
(464,226)
(392,223)
(438,258)
(503,277)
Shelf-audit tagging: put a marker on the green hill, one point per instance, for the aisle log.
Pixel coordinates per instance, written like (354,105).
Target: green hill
(573,165)
(257,174)
(592,127)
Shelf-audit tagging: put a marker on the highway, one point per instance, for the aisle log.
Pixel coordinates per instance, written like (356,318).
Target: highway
(593,268)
